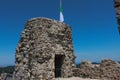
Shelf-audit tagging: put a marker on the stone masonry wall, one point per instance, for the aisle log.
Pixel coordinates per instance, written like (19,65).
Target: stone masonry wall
(41,40)
(6,76)
(106,70)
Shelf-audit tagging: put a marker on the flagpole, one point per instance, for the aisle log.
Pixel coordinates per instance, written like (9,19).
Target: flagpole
(60,3)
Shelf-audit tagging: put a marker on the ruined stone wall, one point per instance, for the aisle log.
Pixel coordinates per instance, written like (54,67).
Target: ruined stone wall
(41,40)
(106,70)
(6,76)
(117,9)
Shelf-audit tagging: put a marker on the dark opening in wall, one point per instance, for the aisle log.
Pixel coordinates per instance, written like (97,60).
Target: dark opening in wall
(58,65)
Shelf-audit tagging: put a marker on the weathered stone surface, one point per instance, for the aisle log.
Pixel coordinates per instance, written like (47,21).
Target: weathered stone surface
(3,76)
(6,76)
(41,41)
(108,70)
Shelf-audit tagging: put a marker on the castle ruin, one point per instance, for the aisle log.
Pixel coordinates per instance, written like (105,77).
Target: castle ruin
(45,51)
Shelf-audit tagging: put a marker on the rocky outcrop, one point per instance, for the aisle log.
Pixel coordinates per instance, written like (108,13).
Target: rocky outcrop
(108,69)
(42,42)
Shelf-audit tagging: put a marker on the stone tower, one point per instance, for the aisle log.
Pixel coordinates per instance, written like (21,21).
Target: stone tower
(45,51)
(117,8)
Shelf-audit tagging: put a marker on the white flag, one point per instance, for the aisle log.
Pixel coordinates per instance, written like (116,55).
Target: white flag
(61,12)
(61,17)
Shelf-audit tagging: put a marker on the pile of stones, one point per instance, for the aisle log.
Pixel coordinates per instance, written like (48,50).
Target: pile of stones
(87,70)
(108,69)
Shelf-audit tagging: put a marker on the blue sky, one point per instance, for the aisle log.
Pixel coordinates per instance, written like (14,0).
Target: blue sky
(93,22)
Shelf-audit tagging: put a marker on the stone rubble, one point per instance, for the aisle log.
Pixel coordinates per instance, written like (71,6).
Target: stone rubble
(6,76)
(107,69)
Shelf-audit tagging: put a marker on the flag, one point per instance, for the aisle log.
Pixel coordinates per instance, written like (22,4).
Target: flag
(61,12)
